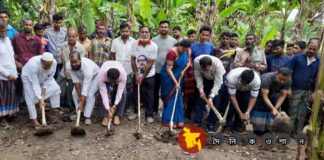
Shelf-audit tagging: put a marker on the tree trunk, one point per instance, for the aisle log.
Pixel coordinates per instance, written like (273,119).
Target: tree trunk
(300,20)
(131,15)
(50,10)
(315,147)
(211,15)
(264,15)
(284,22)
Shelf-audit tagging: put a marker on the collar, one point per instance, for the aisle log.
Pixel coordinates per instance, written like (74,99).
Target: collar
(316,56)
(140,43)
(32,37)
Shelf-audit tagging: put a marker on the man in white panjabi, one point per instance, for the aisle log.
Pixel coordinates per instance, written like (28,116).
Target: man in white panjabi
(39,84)
(84,73)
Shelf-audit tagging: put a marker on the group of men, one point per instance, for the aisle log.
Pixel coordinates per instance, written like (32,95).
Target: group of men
(68,68)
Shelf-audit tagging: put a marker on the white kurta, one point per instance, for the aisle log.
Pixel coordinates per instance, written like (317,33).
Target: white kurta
(7,60)
(87,77)
(34,78)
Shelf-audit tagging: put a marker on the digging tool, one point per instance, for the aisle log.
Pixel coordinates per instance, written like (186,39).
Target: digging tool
(248,126)
(218,115)
(45,129)
(221,125)
(138,134)
(77,130)
(173,109)
(108,131)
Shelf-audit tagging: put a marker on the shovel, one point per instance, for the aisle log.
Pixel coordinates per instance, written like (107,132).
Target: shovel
(45,129)
(137,134)
(222,124)
(218,115)
(249,126)
(108,131)
(77,130)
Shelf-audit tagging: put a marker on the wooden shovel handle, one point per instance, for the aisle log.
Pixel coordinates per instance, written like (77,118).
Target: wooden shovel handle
(77,124)
(219,116)
(139,106)
(43,113)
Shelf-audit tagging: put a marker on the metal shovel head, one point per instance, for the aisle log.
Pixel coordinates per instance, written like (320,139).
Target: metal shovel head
(138,135)
(249,127)
(109,133)
(44,131)
(78,132)
(281,123)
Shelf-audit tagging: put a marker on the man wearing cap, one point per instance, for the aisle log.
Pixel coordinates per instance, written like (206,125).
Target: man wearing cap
(39,84)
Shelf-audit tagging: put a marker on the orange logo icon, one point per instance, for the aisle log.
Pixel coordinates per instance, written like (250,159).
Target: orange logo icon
(192,139)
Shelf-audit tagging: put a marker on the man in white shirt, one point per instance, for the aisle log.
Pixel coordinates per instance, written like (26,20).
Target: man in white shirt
(164,43)
(208,71)
(84,73)
(121,52)
(39,83)
(243,87)
(144,52)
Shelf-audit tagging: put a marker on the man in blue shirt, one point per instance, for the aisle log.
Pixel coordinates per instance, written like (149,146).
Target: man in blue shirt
(202,46)
(4,16)
(277,59)
(305,68)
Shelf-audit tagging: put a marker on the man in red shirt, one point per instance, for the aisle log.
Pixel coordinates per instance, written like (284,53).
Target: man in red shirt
(25,45)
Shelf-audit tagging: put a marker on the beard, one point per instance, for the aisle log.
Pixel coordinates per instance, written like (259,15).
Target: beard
(163,33)
(27,31)
(249,46)
(76,68)
(124,36)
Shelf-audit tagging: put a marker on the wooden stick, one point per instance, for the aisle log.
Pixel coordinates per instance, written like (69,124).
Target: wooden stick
(44,123)
(173,110)
(139,106)
(219,116)
(77,124)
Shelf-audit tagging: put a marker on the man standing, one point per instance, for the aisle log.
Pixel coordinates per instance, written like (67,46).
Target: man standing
(234,41)
(39,84)
(26,45)
(223,52)
(4,17)
(290,50)
(277,59)
(72,45)
(274,90)
(243,87)
(84,73)
(305,69)
(252,56)
(299,47)
(164,43)
(56,36)
(112,81)
(177,33)
(94,34)
(121,51)
(144,53)
(100,45)
(8,74)
(268,48)
(39,32)
(84,40)
(208,71)
(192,34)
(202,46)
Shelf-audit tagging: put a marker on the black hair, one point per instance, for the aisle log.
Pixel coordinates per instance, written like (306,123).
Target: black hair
(57,17)
(250,34)
(278,42)
(177,28)
(269,42)
(226,34)
(123,25)
(314,39)
(38,27)
(247,76)
(233,34)
(301,44)
(191,32)
(205,28)
(290,45)
(81,28)
(165,21)
(285,71)
(113,73)
(205,61)
(184,43)
(4,11)
(46,24)
(144,27)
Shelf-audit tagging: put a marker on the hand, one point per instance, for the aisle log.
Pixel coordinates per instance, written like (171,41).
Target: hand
(182,74)
(11,77)
(62,56)
(274,112)
(139,80)
(81,106)
(41,103)
(43,92)
(113,109)
(203,95)
(66,74)
(19,66)
(241,116)
(177,85)
(246,116)
(312,97)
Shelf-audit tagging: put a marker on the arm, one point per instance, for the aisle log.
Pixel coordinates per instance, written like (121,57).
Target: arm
(134,66)
(169,67)
(263,65)
(112,55)
(281,99)
(235,104)
(251,104)
(238,60)
(198,76)
(121,87)
(218,79)
(103,89)
(148,67)
(265,94)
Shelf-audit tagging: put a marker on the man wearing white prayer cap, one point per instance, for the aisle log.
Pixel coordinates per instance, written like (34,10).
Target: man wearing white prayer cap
(39,84)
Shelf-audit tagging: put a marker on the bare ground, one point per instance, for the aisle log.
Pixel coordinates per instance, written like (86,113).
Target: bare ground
(18,142)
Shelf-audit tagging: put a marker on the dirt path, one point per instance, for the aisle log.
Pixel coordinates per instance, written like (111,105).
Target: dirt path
(19,143)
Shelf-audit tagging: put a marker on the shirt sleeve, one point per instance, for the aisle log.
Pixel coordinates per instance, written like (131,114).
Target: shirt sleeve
(255,87)
(152,53)
(113,46)
(171,56)
(121,87)
(237,60)
(3,71)
(103,88)
(133,48)
(88,75)
(231,85)
(218,78)
(198,75)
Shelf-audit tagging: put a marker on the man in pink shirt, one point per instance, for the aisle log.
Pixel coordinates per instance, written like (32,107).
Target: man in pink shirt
(112,80)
